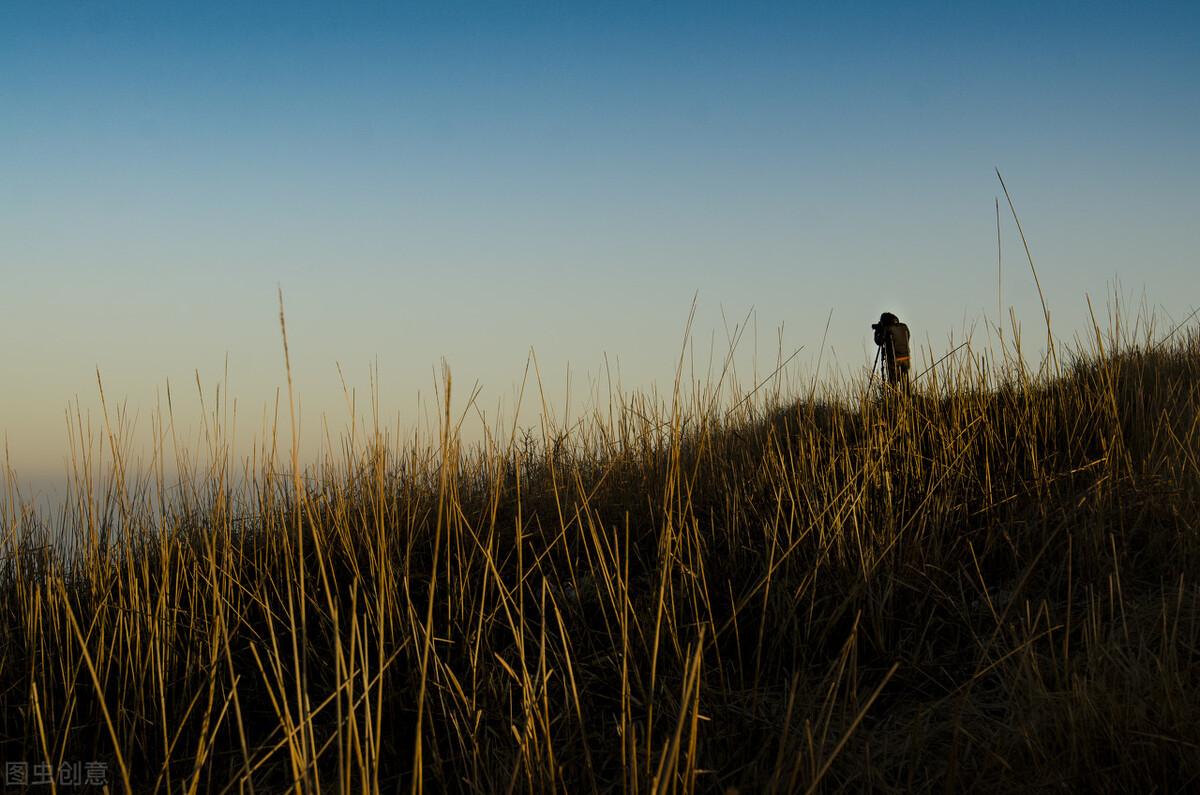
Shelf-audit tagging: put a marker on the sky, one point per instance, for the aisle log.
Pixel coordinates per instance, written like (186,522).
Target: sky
(467,182)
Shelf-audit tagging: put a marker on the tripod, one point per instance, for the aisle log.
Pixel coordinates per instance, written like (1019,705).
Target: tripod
(890,373)
(879,365)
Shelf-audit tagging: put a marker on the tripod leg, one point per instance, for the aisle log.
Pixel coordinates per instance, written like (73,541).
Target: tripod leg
(871,383)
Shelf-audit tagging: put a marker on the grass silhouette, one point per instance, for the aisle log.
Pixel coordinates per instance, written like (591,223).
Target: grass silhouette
(989,586)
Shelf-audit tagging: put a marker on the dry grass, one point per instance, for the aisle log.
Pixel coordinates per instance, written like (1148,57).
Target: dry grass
(987,587)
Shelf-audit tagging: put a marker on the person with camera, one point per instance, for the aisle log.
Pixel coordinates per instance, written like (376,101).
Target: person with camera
(892,338)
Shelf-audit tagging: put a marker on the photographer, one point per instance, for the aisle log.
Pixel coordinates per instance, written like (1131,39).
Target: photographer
(892,338)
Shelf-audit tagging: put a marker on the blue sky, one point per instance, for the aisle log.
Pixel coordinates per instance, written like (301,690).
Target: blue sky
(469,181)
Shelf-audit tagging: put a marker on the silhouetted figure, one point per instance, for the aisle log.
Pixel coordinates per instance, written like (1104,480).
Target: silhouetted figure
(892,338)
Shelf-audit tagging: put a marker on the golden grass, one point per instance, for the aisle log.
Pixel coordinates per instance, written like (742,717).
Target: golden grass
(986,587)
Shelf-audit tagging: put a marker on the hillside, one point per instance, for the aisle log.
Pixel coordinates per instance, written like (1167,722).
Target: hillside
(989,586)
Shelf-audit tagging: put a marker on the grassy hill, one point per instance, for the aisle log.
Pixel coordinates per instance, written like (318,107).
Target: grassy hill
(987,586)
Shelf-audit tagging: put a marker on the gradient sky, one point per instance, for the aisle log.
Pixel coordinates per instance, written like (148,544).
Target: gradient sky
(469,181)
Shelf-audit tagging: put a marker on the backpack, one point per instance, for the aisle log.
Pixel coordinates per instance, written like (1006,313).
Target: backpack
(896,336)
